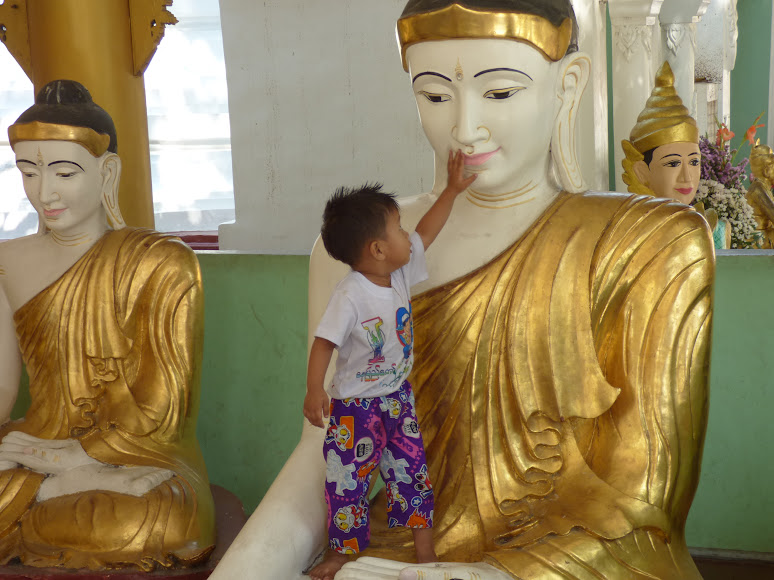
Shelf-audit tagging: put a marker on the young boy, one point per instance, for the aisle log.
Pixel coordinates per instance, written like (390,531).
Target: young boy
(372,418)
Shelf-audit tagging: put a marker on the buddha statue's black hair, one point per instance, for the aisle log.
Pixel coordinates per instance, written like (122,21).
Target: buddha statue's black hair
(65,102)
(555,11)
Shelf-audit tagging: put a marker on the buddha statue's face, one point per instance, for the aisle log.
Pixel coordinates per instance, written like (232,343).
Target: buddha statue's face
(674,171)
(494,99)
(63,181)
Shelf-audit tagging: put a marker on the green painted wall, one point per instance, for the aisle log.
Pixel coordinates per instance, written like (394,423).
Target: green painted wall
(750,78)
(254,368)
(256,420)
(733,508)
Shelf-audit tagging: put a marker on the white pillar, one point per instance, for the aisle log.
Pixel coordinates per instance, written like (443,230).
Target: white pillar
(592,120)
(633,73)
(770,129)
(716,39)
(678,20)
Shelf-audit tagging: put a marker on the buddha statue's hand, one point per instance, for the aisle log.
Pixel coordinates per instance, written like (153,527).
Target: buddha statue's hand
(47,456)
(367,568)
(131,480)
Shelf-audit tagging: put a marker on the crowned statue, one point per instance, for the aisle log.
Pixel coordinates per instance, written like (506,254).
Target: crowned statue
(662,157)
(561,342)
(759,194)
(104,470)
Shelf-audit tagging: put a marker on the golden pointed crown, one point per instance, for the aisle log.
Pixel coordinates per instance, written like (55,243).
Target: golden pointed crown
(665,119)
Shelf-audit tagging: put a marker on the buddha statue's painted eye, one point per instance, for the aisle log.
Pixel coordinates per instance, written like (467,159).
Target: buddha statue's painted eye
(694,162)
(500,94)
(435,97)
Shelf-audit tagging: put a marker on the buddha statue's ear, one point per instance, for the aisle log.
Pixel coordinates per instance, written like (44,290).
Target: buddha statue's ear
(573,77)
(642,171)
(111,177)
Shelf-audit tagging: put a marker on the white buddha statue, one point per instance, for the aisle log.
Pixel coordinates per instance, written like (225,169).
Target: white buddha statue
(104,470)
(561,341)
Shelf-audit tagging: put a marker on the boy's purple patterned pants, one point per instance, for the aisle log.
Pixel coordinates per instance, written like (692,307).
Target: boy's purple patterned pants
(363,434)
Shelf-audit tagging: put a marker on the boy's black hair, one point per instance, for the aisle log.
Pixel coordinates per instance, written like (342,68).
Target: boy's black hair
(353,217)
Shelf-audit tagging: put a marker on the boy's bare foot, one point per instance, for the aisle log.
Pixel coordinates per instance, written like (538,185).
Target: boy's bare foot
(331,564)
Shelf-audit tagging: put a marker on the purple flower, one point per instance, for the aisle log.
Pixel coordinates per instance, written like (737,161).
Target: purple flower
(717,164)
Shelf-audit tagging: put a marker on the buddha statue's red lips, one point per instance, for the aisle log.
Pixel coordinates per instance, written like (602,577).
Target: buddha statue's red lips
(53,212)
(684,190)
(479,158)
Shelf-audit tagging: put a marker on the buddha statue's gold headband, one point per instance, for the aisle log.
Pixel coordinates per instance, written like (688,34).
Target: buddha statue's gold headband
(665,119)
(456,21)
(95,143)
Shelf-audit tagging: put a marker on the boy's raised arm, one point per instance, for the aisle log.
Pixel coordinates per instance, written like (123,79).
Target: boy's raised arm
(316,399)
(433,221)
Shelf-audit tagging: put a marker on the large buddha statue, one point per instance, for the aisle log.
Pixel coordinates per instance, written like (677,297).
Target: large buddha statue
(561,341)
(104,470)
(662,157)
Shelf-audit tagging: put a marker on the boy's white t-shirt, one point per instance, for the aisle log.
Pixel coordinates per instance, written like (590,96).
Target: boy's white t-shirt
(373,328)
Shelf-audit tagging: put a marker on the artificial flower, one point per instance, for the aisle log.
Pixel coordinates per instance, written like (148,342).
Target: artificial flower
(724,135)
(749,135)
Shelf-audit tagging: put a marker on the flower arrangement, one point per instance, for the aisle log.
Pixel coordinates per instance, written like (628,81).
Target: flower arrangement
(722,185)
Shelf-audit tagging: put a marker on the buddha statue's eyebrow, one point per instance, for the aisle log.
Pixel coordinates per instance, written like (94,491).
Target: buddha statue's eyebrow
(489,70)
(435,74)
(678,155)
(65,161)
(25,161)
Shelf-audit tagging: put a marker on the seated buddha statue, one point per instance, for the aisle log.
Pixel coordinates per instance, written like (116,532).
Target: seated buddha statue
(104,469)
(662,157)
(561,341)
(759,194)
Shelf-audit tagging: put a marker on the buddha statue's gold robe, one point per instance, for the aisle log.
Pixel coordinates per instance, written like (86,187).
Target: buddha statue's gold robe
(112,349)
(562,394)
(759,197)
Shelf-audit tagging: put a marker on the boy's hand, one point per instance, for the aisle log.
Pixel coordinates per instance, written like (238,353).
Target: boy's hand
(456,181)
(316,406)
(433,221)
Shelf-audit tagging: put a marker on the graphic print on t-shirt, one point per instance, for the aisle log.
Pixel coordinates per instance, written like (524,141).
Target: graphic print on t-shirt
(373,328)
(404,328)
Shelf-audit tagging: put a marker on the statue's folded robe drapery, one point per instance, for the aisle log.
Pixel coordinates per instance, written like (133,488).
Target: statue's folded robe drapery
(562,394)
(112,349)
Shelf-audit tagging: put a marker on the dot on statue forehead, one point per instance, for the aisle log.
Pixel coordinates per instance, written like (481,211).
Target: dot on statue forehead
(494,99)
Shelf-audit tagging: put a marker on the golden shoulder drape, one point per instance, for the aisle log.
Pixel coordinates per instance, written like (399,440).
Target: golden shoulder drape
(112,349)
(562,394)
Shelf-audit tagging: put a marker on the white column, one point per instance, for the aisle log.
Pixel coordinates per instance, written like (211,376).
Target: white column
(633,22)
(770,128)
(592,120)
(716,39)
(678,20)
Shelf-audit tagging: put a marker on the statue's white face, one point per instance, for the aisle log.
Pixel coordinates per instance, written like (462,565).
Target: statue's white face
(675,171)
(494,99)
(63,181)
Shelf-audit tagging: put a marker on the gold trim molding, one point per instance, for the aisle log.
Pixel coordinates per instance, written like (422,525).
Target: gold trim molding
(456,21)
(14,33)
(94,142)
(149,19)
